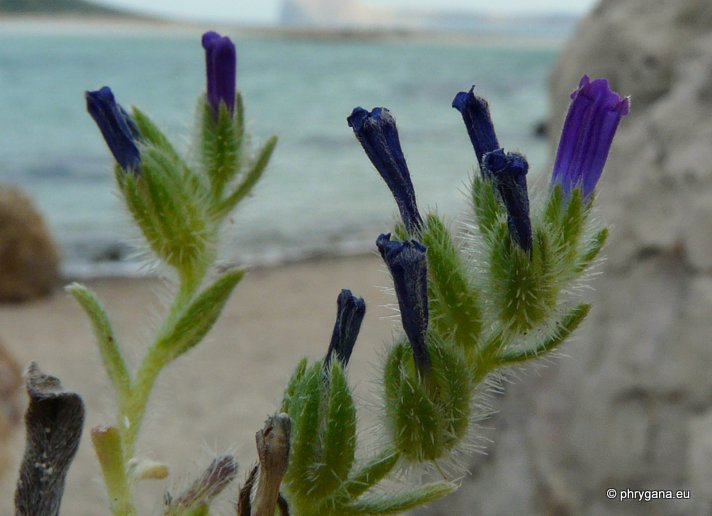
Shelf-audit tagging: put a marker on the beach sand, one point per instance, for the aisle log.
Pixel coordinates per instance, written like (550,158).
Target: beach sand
(214,399)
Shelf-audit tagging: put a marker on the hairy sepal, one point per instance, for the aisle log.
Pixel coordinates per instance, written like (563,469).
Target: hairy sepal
(427,415)
(171,212)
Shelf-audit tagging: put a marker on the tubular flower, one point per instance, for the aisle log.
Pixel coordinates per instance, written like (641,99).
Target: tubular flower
(116,126)
(586,137)
(349,315)
(378,135)
(508,171)
(476,115)
(407,264)
(220,66)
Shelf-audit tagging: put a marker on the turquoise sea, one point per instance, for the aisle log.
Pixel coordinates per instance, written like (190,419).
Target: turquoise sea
(320,195)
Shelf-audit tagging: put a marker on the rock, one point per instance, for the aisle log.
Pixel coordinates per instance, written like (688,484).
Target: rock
(28,258)
(631,405)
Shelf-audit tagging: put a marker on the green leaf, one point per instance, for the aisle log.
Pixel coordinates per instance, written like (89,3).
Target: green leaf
(250,179)
(291,389)
(593,247)
(304,439)
(111,355)
(454,303)
(552,211)
(369,474)
(197,319)
(392,503)
(152,134)
(488,210)
(563,329)
(338,443)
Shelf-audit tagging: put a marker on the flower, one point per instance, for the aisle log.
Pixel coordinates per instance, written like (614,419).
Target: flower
(509,171)
(586,137)
(378,135)
(407,264)
(220,65)
(116,126)
(349,315)
(475,114)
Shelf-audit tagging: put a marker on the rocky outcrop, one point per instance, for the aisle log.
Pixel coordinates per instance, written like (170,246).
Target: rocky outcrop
(28,258)
(630,407)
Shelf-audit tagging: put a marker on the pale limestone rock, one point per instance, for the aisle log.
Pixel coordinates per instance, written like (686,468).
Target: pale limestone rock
(629,407)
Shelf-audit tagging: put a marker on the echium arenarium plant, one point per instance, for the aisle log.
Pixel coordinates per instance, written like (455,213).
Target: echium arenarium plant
(496,295)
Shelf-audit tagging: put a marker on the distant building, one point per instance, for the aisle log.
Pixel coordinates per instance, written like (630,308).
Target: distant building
(353,14)
(334,13)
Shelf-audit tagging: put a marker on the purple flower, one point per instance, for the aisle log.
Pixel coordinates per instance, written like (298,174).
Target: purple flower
(378,135)
(590,124)
(220,65)
(116,126)
(407,264)
(349,315)
(508,171)
(475,114)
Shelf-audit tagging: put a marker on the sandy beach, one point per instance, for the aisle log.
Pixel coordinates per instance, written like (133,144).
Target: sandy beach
(217,397)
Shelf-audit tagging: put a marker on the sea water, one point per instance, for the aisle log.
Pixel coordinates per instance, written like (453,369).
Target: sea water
(320,194)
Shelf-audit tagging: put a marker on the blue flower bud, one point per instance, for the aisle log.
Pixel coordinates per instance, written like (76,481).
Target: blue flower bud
(349,315)
(221,68)
(116,126)
(586,137)
(378,135)
(476,115)
(509,171)
(407,264)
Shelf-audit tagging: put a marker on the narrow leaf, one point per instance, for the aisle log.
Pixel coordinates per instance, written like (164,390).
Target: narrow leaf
(304,413)
(339,439)
(109,349)
(250,179)
(150,133)
(486,207)
(593,247)
(565,327)
(392,503)
(369,474)
(198,318)
(455,304)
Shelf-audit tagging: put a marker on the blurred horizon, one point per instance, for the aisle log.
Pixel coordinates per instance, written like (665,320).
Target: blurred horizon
(346,12)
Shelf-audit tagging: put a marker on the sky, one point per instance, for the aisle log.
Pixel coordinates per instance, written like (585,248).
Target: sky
(266,11)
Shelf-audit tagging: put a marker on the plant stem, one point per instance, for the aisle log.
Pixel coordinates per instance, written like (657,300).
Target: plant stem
(132,412)
(107,444)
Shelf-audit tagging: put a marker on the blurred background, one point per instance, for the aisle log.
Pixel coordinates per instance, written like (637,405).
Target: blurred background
(303,66)
(628,407)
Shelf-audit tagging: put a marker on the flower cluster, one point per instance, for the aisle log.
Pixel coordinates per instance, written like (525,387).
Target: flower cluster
(469,306)
(464,320)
